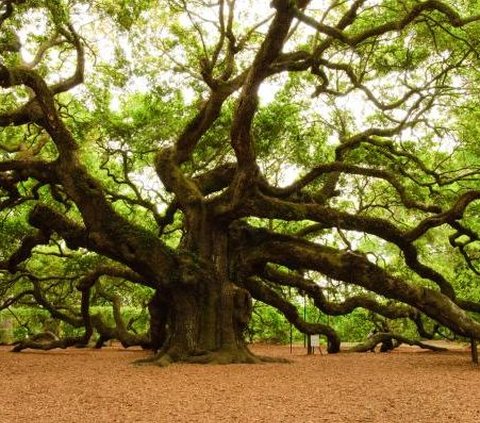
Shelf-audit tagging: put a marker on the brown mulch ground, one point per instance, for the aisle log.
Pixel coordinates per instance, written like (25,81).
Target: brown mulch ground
(408,385)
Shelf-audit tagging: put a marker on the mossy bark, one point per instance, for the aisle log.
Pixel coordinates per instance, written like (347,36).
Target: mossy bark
(202,317)
(201,323)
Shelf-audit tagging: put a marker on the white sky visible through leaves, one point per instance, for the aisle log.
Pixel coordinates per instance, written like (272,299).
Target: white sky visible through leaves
(355,102)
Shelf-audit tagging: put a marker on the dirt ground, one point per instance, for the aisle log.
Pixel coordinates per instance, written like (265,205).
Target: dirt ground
(408,385)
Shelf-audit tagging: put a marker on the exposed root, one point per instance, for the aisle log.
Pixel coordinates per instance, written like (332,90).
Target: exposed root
(268,359)
(242,356)
(159,359)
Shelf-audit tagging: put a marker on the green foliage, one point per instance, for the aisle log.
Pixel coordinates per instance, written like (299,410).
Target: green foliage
(268,325)
(26,321)
(353,327)
(125,12)
(403,103)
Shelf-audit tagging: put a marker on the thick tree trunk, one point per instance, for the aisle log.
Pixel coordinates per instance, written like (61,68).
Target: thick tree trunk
(202,324)
(203,317)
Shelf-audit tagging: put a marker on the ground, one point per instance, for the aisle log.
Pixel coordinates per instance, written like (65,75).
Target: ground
(408,385)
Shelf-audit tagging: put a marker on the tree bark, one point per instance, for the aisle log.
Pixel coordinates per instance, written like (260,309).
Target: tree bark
(386,339)
(202,323)
(203,317)
(473,346)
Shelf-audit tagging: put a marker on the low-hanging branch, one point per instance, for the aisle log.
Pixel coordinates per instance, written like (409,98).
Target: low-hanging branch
(119,331)
(354,268)
(262,292)
(45,341)
(387,338)
(315,292)
(268,207)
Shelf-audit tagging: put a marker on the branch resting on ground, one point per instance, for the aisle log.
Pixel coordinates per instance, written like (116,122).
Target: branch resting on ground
(381,337)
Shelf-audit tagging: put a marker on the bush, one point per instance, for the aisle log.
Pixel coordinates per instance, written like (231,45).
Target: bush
(26,321)
(268,325)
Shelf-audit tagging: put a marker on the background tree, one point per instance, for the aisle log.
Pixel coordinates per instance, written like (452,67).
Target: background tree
(212,152)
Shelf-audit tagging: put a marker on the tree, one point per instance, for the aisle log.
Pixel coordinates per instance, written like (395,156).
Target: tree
(181,185)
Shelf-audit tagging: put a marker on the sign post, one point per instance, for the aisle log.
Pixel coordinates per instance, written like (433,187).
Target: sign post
(474,350)
(314,342)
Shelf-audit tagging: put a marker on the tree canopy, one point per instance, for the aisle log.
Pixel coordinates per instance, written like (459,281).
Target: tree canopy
(196,155)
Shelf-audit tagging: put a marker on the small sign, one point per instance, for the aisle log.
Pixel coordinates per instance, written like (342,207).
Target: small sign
(315,340)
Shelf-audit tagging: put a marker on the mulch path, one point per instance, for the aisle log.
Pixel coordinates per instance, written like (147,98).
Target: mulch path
(407,385)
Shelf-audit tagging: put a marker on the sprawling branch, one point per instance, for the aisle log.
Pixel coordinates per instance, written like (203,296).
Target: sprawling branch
(418,9)
(262,292)
(119,331)
(314,291)
(346,168)
(355,268)
(450,216)
(331,218)
(55,312)
(77,77)
(201,302)
(91,278)
(25,250)
(46,342)
(381,337)
(241,137)
(168,161)
(126,250)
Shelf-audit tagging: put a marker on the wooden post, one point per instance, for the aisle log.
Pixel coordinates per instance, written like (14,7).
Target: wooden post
(474,350)
(315,342)
(291,339)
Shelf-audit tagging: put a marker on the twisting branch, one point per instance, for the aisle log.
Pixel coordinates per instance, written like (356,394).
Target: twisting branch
(315,292)
(341,167)
(450,14)
(25,250)
(77,236)
(116,271)
(272,208)
(268,52)
(353,268)
(382,337)
(12,300)
(262,292)
(450,216)
(119,331)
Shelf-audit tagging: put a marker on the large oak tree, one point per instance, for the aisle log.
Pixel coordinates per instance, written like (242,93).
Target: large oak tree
(219,151)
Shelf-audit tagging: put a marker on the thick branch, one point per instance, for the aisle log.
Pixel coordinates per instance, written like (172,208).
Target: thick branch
(394,25)
(126,243)
(267,295)
(358,270)
(241,137)
(25,250)
(48,343)
(378,338)
(331,218)
(314,291)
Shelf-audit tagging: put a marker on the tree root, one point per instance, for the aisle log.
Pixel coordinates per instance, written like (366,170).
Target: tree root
(242,356)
